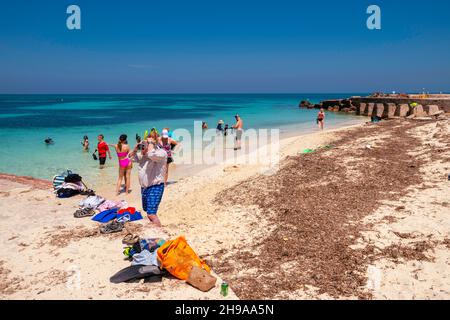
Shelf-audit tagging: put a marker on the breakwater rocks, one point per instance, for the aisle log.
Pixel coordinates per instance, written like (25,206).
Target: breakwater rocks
(385,108)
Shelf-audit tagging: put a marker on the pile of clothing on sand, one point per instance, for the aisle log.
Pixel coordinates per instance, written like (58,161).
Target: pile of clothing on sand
(153,258)
(112,214)
(69,184)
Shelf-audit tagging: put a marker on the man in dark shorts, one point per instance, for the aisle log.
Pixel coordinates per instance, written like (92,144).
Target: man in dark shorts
(103,149)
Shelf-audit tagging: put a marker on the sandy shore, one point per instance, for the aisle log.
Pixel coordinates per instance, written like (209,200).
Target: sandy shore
(233,217)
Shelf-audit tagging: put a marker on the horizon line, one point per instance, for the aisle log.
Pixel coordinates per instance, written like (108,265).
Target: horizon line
(211,93)
(224,93)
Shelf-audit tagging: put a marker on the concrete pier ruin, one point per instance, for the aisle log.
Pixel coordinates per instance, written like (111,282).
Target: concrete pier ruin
(388,106)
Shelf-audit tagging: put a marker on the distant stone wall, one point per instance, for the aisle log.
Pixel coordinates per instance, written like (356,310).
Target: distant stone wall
(385,107)
(444,104)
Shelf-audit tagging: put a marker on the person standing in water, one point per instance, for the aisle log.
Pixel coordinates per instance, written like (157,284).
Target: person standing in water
(85,143)
(103,149)
(321,119)
(152,164)
(125,164)
(219,128)
(239,127)
(167,144)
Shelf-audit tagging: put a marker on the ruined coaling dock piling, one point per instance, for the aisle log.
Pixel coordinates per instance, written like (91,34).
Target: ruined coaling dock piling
(388,106)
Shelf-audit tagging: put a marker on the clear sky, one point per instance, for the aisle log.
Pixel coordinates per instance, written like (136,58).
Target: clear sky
(224,46)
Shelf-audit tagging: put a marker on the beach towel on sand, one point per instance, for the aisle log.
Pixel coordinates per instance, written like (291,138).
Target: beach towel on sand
(58,180)
(108,215)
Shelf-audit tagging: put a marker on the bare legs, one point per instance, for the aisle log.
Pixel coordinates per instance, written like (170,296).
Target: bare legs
(154,219)
(166,177)
(119,181)
(320,124)
(237,144)
(124,173)
(128,179)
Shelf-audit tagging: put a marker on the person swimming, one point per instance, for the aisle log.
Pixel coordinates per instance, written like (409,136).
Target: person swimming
(49,141)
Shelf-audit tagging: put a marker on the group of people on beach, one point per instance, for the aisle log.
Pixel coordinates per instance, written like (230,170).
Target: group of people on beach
(153,155)
(222,129)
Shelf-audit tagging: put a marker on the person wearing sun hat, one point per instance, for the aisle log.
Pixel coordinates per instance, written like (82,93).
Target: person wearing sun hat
(152,163)
(167,144)
(219,128)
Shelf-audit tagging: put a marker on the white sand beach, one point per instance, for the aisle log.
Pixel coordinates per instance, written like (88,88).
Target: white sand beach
(48,254)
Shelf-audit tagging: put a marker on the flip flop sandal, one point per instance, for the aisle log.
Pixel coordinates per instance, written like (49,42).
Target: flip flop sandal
(112,227)
(84,213)
(130,239)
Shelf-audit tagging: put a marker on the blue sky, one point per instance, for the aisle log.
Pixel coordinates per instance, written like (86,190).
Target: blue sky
(246,46)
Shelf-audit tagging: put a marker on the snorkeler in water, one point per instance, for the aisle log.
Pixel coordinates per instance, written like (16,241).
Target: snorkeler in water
(49,141)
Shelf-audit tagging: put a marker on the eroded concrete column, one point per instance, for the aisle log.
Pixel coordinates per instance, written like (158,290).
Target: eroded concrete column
(390,110)
(361,109)
(402,110)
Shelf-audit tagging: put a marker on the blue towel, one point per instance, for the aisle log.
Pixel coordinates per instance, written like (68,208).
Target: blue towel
(133,217)
(106,216)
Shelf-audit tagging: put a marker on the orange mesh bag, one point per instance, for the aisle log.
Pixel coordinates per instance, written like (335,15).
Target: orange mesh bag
(178,258)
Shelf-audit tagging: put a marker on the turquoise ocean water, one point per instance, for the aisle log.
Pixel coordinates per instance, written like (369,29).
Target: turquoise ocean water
(26,120)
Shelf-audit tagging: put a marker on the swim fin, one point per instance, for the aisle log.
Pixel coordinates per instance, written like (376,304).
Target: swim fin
(138,272)
(105,216)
